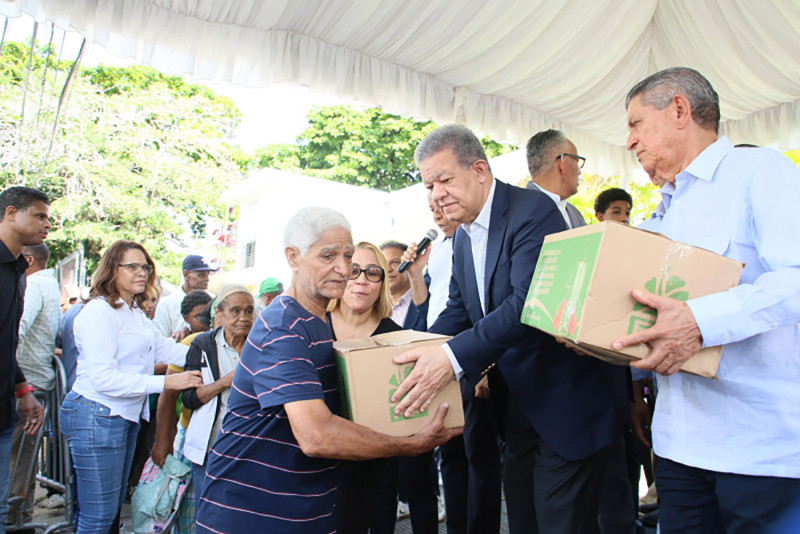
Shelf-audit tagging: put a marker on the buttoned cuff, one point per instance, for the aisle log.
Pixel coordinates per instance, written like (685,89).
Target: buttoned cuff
(459,372)
(716,317)
(155,384)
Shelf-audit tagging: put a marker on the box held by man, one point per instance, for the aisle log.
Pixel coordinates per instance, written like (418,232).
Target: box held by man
(581,289)
(368,378)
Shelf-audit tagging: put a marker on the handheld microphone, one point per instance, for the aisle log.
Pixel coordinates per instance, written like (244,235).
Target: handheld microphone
(430,235)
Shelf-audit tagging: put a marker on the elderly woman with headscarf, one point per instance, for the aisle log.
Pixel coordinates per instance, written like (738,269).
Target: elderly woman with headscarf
(216,353)
(274,466)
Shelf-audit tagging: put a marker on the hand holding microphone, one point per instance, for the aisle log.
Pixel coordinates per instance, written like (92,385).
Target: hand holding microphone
(409,257)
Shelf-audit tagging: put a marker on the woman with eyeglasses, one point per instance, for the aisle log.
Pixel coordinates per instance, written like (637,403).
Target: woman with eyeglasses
(118,347)
(364,310)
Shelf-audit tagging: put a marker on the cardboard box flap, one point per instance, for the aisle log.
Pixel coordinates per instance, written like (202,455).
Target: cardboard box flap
(402,337)
(389,339)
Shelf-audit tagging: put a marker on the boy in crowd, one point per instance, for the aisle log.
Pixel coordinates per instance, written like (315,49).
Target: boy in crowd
(613,204)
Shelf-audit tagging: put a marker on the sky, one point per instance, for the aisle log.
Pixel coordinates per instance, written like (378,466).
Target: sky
(275,114)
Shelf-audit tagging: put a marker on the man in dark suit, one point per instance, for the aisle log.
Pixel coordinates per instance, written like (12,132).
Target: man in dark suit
(564,407)
(555,168)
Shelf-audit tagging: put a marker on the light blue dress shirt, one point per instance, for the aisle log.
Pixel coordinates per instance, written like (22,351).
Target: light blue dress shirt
(742,203)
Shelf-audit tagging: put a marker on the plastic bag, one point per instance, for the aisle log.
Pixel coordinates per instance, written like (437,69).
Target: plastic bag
(157,498)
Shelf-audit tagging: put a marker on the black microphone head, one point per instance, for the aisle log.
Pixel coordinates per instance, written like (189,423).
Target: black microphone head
(432,234)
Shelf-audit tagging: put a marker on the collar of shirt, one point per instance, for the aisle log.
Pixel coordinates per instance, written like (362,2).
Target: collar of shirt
(560,203)
(482,220)
(403,301)
(7,257)
(706,163)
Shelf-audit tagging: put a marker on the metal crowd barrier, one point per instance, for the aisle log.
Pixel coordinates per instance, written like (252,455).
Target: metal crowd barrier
(55,463)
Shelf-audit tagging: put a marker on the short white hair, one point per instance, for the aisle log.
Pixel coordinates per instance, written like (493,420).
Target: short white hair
(307,225)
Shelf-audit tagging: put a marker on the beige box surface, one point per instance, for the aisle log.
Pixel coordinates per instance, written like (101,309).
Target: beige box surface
(368,377)
(581,289)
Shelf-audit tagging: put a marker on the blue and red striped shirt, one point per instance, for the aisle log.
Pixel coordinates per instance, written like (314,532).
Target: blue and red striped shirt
(258,479)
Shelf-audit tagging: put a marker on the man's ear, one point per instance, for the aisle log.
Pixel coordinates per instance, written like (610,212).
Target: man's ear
(10,213)
(682,110)
(600,216)
(293,256)
(481,168)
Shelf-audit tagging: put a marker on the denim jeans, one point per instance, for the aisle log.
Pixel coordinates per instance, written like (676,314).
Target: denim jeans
(102,447)
(5,474)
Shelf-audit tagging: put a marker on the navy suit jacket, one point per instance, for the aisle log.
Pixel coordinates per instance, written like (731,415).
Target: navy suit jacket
(577,404)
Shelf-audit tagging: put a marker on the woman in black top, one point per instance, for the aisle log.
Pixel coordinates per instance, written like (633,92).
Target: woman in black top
(364,310)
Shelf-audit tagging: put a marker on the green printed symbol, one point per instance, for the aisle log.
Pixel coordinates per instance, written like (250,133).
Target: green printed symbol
(644,316)
(394,382)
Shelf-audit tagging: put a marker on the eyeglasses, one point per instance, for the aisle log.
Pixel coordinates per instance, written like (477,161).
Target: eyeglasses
(134,268)
(580,159)
(373,273)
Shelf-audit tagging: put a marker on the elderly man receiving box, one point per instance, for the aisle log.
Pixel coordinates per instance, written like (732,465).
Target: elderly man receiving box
(273,468)
(729,448)
(564,407)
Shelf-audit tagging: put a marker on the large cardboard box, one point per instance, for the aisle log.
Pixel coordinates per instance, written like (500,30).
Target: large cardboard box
(368,378)
(581,289)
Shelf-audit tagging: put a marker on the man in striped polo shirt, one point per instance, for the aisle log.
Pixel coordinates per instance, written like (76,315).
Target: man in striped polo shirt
(273,468)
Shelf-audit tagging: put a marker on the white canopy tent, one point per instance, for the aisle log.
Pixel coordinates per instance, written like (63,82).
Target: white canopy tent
(504,68)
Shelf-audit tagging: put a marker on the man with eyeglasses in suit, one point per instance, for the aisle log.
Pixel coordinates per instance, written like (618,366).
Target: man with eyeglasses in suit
(555,168)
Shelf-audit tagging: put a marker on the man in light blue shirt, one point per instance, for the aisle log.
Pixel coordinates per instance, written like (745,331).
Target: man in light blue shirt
(729,448)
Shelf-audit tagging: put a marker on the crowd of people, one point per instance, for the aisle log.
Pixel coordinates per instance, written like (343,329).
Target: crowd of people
(243,387)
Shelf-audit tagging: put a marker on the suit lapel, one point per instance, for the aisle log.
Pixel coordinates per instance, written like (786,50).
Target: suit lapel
(497,230)
(575,218)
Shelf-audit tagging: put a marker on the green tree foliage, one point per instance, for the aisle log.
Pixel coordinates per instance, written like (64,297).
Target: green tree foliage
(136,155)
(369,148)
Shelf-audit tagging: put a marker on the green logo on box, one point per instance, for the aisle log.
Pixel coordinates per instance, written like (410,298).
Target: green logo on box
(402,372)
(644,317)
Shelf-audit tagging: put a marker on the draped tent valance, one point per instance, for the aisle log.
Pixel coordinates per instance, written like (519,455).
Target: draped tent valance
(504,68)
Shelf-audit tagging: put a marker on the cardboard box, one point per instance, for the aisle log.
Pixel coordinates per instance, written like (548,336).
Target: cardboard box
(581,289)
(368,377)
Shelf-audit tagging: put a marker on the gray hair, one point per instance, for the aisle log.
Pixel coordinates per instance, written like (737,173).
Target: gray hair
(659,89)
(460,139)
(541,150)
(392,244)
(307,225)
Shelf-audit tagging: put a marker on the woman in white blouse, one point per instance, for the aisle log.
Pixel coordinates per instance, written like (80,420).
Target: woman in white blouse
(117,351)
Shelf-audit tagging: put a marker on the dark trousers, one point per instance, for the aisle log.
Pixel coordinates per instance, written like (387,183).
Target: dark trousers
(545,492)
(415,478)
(617,507)
(355,498)
(695,500)
(471,470)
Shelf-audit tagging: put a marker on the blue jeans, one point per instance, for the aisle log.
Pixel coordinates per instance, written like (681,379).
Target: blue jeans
(5,474)
(102,447)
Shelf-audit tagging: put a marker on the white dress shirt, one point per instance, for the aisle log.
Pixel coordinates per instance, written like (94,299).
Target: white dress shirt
(440,269)
(478,232)
(117,352)
(38,329)
(561,204)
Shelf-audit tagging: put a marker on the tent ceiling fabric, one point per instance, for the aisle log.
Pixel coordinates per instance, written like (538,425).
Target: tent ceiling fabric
(504,68)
